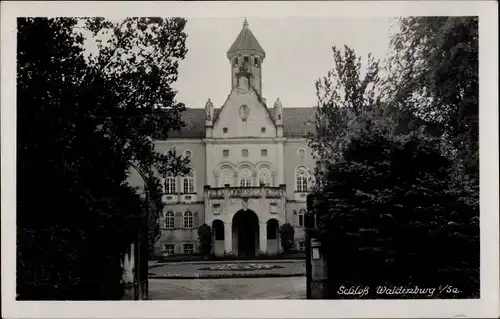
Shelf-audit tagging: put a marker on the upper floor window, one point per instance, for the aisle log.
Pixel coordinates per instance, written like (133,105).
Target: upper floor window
(225,153)
(188,219)
(224,130)
(235,62)
(301,179)
(188,182)
(245,59)
(170,185)
(245,178)
(226,177)
(263,130)
(263,152)
(187,153)
(244,153)
(301,152)
(169,220)
(264,177)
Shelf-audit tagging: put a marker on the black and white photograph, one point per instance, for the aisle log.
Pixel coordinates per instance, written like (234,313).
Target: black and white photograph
(165,156)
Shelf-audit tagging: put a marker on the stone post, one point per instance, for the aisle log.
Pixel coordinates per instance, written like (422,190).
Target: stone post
(318,271)
(263,236)
(228,239)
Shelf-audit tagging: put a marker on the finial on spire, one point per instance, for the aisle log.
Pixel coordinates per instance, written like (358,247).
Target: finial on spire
(245,23)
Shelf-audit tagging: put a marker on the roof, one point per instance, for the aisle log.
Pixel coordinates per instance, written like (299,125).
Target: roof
(245,41)
(297,122)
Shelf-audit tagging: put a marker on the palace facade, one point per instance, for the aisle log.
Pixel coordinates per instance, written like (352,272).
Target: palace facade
(250,167)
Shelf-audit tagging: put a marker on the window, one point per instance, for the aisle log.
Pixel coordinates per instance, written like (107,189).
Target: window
(169,220)
(188,219)
(301,217)
(263,130)
(245,178)
(301,177)
(263,152)
(170,185)
(264,177)
(256,61)
(226,177)
(301,245)
(187,248)
(224,130)
(187,153)
(244,153)
(169,249)
(225,153)
(301,152)
(188,183)
(245,59)
(235,62)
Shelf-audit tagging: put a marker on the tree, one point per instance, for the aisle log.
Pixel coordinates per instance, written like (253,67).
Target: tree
(344,93)
(205,239)
(433,74)
(287,235)
(83,122)
(392,212)
(391,203)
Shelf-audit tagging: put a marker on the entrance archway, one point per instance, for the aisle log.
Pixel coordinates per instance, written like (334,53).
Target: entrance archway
(245,233)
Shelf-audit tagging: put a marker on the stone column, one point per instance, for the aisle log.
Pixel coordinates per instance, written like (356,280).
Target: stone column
(263,236)
(228,237)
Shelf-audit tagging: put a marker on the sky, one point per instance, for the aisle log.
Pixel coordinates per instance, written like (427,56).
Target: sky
(298,52)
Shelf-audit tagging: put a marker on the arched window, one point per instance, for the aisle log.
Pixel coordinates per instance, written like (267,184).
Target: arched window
(188,219)
(170,187)
(226,177)
(245,177)
(188,182)
(264,177)
(301,179)
(169,220)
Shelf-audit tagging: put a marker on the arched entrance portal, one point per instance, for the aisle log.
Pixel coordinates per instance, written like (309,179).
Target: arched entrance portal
(245,233)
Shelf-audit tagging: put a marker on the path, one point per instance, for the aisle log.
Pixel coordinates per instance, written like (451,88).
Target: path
(238,288)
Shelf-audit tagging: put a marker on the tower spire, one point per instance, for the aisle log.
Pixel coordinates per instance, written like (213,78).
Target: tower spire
(245,23)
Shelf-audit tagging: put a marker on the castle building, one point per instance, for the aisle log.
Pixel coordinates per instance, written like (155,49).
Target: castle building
(250,167)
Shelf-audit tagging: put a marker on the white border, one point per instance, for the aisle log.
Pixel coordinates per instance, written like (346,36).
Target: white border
(487,306)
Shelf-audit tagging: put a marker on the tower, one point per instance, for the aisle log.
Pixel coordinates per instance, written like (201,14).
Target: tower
(246,57)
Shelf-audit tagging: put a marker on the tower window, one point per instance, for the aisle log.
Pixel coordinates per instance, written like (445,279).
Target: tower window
(256,61)
(245,59)
(235,62)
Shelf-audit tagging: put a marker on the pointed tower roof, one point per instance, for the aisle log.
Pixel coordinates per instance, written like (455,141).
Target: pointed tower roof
(245,41)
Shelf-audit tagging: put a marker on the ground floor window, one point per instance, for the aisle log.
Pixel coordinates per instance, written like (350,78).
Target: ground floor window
(301,245)
(169,249)
(188,248)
